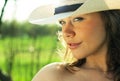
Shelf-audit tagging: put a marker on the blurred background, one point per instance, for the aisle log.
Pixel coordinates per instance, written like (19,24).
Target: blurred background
(24,47)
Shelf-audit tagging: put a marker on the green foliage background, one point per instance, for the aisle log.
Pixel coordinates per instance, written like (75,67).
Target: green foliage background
(17,29)
(25,48)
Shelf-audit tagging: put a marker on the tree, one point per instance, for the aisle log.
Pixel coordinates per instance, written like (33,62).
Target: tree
(3,77)
(2,12)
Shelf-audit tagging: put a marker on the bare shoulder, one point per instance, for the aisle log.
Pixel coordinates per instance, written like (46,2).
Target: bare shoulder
(51,72)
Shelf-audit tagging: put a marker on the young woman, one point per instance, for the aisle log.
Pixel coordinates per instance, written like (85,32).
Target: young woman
(92,37)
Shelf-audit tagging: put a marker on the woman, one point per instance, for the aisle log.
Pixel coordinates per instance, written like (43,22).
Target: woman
(92,37)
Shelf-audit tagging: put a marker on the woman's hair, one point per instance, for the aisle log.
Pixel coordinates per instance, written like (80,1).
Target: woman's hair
(112,24)
(111,20)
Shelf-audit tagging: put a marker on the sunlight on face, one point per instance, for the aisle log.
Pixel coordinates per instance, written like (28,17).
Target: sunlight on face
(85,35)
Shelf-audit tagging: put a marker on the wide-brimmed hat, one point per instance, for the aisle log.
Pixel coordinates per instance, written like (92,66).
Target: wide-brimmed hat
(52,12)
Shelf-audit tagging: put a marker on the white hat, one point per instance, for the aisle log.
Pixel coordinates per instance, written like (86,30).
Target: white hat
(51,13)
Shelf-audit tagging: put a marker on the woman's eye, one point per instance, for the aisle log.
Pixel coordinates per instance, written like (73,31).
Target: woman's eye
(78,19)
(61,22)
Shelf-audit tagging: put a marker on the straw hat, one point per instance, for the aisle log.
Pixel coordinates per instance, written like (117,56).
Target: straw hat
(52,12)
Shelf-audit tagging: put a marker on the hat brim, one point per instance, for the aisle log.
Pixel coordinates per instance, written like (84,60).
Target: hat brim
(45,14)
(50,19)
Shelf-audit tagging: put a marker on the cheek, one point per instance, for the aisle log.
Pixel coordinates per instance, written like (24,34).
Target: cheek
(92,29)
(92,37)
(92,34)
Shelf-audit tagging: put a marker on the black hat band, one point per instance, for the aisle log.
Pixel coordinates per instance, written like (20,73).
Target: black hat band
(67,8)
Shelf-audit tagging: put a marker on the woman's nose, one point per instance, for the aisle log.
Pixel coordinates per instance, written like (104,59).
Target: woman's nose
(68,31)
(69,34)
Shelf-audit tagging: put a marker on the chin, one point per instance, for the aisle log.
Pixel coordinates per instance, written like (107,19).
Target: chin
(80,56)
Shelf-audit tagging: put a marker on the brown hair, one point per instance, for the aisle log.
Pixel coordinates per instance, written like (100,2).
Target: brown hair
(112,24)
(111,20)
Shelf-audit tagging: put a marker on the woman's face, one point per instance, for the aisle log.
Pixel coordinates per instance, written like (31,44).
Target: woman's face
(84,35)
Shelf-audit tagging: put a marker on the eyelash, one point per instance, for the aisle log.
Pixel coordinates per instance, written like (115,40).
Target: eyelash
(61,22)
(77,19)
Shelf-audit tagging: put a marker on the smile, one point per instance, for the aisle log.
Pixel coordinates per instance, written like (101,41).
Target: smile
(73,45)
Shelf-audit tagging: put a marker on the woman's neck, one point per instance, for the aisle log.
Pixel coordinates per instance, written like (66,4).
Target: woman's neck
(97,60)
(97,63)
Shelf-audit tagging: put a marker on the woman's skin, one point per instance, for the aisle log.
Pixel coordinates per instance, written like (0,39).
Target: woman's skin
(85,36)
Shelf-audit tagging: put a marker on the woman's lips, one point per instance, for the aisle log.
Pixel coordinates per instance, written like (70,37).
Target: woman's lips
(73,45)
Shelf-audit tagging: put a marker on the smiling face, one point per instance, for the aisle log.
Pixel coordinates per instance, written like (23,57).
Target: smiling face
(85,35)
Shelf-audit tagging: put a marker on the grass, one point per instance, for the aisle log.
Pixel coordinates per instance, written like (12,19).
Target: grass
(27,55)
